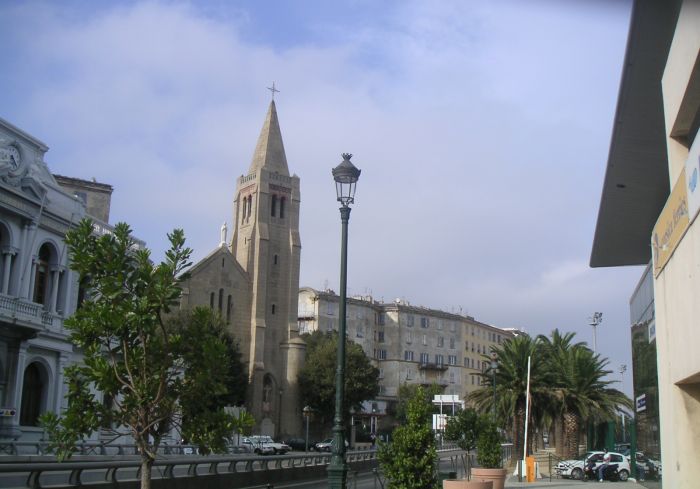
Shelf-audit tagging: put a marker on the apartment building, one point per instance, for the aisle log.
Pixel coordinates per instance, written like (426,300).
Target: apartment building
(409,344)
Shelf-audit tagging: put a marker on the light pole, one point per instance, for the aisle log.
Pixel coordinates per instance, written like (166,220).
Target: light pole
(595,321)
(494,366)
(345,176)
(307,415)
(623,369)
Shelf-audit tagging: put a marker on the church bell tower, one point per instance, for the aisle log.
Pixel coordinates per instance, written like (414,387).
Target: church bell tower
(267,246)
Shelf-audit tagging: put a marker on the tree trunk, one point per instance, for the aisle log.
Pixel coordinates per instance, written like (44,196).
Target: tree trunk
(559,436)
(518,431)
(146,465)
(571,434)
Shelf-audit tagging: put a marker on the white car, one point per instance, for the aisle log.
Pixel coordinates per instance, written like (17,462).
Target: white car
(263,444)
(573,469)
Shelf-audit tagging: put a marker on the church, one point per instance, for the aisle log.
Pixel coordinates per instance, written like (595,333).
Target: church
(253,282)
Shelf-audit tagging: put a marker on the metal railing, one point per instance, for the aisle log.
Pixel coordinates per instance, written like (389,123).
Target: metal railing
(96,473)
(17,448)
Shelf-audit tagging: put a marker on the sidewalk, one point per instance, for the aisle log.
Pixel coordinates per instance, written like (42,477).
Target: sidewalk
(512,481)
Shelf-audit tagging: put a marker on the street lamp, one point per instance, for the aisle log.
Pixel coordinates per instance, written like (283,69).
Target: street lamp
(595,321)
(494,366)
(345,176)
(307,415)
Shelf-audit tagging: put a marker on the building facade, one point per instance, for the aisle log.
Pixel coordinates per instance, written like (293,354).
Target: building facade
(648,211)
(644,367)
(37,288)
(408,344)
(253,282)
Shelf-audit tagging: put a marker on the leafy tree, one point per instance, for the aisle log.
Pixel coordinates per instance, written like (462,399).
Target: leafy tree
(463,428)
(407,392)
(488,445)
(317,377)
(147,369)
(409,460)
(209,346)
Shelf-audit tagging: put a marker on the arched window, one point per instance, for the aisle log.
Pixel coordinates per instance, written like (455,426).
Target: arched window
(211,300)
(229,307)
(273,206)
(221,300)
(250,206)
(282,201)
(273,308)
(32,393)
(275,260)
(41,276)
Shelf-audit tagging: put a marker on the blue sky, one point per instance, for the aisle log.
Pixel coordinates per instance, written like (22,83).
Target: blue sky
(481,127)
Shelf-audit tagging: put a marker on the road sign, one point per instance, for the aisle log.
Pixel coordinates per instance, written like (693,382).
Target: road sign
(7,412)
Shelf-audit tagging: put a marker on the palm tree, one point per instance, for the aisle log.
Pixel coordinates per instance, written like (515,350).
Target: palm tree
(553,348)
(511,386)
(582,393)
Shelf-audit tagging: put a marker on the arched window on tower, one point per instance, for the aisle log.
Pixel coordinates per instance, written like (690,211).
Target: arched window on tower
(32,392)
(273,205)
(250,206)
(282,201)
(41,276)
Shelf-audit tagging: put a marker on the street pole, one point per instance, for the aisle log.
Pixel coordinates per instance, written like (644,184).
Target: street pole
(307,415)
(345,176)
(494,366)
(595,321)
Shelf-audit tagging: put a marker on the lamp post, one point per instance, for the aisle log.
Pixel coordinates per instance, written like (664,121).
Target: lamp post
(494,366)
(307,415)
(345,176)
(595,321)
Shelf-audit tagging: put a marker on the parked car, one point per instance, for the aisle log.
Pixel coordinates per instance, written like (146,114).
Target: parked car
(324,446)
(263,442)
(574,469)
(327,445)
(243,445)
(298,444)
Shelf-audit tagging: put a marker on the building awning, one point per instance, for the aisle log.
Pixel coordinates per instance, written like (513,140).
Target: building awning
(636,183)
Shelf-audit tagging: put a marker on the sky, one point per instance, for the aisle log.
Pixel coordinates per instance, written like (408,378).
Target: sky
(481,127)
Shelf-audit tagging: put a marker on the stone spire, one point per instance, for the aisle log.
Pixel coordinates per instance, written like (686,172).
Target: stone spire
(269,152)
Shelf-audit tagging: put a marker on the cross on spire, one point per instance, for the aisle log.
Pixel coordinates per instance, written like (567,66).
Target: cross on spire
(273,90)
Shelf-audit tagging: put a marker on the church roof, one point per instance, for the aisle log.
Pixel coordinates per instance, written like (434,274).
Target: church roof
(269,152)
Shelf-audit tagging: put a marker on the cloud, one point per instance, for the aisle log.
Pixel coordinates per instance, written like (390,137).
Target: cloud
(481,129)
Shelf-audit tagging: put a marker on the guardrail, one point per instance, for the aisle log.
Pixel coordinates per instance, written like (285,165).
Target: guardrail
(183,472)
(18,448)
(190,472)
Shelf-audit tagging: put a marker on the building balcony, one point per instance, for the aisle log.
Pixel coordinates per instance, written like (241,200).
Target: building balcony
(23,319)
(440,367)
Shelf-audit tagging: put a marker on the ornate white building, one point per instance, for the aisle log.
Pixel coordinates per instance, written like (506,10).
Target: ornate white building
(37,288)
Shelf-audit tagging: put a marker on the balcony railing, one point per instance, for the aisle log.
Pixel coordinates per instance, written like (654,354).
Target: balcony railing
(27,314)
(433,366)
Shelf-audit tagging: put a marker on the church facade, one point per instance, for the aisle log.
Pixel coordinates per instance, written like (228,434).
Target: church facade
(253,282)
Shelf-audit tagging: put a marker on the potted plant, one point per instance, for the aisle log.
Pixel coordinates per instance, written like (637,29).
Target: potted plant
(464,429)
(488,455)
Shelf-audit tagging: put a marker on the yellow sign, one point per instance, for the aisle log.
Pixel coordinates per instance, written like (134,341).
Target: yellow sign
(671,225)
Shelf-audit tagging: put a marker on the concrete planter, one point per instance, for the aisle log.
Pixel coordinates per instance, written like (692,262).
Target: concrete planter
(497,476)
(465,484)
